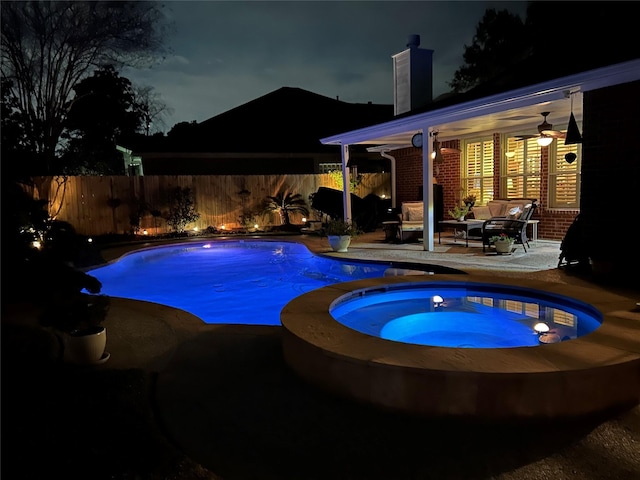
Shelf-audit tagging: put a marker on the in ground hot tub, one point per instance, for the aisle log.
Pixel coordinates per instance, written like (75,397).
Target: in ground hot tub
(582,369)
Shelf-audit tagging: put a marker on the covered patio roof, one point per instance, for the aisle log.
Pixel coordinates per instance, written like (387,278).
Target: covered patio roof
(517,111)
(513,111)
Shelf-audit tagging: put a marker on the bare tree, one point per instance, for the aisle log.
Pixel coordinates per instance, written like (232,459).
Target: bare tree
(49,46)
(152,109)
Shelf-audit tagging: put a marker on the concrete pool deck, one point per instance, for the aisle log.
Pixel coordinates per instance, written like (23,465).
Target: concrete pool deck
(225,396)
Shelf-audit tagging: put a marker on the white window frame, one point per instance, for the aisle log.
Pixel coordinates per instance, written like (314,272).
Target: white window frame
(480,183)
(559,169)
(528,154)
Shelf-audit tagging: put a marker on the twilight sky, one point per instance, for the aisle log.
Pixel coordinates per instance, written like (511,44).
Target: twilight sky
(227,53)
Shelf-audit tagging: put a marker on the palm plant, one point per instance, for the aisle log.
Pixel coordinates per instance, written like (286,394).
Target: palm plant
(284,204)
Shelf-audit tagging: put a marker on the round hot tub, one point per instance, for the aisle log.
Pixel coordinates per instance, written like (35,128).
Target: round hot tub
(476,347)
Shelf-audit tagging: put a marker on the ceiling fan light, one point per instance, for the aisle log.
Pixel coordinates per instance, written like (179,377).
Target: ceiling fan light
(573,134)
(544,141)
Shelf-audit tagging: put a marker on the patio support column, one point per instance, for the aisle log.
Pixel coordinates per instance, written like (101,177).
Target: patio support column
(346,172)
(427,192)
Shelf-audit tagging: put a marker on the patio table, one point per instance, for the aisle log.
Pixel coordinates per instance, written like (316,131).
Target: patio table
(456,225)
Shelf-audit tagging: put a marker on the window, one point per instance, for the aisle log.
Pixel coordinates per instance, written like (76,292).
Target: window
(564,177)
(328,167)
(521,175)
(477,170)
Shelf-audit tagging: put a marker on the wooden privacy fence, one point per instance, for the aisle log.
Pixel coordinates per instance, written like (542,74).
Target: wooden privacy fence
(101,205)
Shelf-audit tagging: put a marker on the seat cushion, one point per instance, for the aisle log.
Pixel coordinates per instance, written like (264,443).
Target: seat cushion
(412,226)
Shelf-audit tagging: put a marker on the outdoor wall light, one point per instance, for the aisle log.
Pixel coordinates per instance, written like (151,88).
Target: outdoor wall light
(256,225)
(195,229)
(222,227)
(144,232)
(304,220)
(89,240)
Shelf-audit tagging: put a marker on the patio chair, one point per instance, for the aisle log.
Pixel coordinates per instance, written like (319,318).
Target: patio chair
(514,225)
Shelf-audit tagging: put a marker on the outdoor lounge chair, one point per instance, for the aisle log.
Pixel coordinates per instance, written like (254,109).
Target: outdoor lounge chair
(513,224)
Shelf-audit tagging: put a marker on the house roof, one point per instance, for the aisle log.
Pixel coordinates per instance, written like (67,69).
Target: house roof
(513,111)
(289,119)
(285,120)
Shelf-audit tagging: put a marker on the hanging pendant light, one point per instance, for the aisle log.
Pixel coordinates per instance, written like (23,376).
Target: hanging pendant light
(573,134)
(436,155)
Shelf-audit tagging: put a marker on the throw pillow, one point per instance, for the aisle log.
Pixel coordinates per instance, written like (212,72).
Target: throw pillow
(514,213)
(415,214)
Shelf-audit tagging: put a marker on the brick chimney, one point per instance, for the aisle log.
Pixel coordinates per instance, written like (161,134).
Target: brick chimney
(412,77)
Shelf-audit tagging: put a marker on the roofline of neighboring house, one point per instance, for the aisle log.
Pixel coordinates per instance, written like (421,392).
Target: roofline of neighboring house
(551,90)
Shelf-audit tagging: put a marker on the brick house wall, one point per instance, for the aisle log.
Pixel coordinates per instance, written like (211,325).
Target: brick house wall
(610,171)
(611,174)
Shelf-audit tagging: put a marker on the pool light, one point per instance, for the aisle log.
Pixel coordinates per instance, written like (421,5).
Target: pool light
(437,301)
(541,327)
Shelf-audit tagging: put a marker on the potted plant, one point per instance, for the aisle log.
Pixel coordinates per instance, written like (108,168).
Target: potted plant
(76,316)
(469,201)
(339,233)
(458,212)
(502,242)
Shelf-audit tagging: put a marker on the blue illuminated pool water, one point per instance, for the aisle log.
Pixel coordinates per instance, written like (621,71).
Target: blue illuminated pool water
(233,282)
(481,316)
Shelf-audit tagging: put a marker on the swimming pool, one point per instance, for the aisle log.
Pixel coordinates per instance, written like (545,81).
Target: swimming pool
(593,372)
(231,282)
(466,316)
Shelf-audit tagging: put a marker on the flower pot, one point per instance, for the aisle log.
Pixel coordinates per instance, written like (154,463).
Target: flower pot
(86,347)
(339,243)
(502,246)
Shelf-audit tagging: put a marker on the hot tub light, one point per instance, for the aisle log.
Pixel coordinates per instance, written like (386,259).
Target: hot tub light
(541,327)
(437,301)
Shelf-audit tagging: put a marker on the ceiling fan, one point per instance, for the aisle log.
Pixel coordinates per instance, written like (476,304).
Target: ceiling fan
(546,134)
